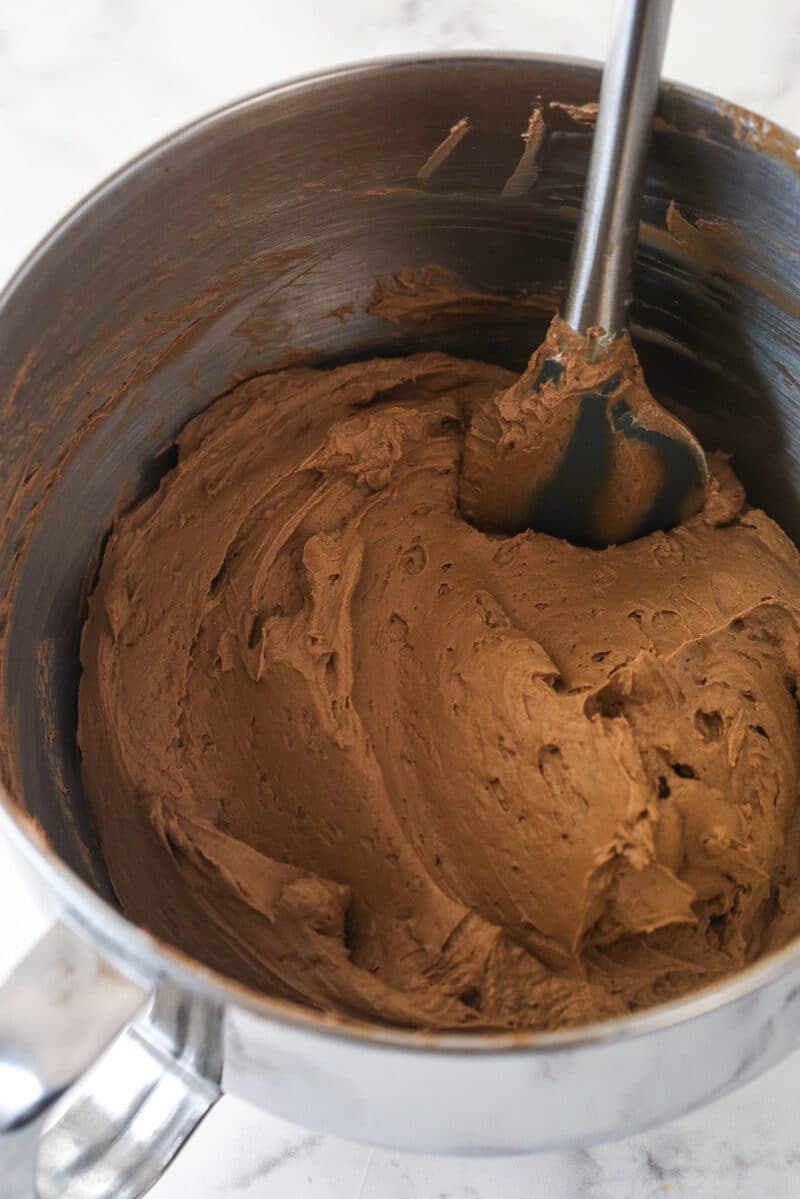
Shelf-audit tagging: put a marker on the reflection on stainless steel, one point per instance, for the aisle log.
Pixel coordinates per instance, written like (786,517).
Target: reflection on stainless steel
(227,246)
(120,1123)
(58,1011)
(131,1113)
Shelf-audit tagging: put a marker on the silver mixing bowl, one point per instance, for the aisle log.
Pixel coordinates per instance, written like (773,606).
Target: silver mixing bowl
(223,248)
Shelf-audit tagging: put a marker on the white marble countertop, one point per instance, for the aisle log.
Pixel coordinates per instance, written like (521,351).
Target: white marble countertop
(85,85)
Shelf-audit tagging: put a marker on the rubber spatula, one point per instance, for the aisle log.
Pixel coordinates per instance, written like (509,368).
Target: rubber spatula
(578,447)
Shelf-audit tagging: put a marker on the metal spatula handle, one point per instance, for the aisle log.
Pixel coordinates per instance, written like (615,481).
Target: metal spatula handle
(605,246)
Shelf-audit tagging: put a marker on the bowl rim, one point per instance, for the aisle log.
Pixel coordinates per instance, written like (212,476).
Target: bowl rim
(144,957)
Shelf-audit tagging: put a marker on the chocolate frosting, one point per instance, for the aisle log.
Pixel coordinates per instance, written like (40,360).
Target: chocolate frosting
(349,749)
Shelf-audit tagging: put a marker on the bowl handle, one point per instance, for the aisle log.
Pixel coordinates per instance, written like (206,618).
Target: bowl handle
(125,1101)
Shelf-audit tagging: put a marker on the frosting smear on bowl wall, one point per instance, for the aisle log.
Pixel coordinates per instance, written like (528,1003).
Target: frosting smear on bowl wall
(349,749)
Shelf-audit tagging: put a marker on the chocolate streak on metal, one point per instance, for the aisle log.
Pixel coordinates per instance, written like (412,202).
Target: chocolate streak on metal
(443,151)
(526,170)
(582,114)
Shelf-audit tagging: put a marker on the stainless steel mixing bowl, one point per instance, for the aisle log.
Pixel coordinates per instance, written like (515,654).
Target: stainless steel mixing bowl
(260,231)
